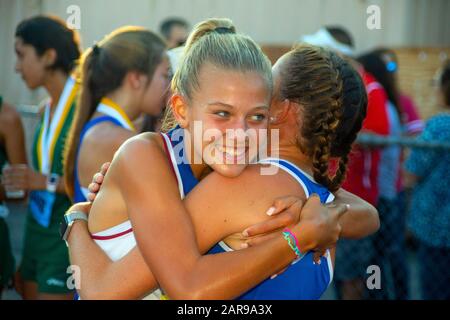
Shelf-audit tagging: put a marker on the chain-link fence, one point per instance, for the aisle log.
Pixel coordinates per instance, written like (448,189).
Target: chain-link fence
(408,257)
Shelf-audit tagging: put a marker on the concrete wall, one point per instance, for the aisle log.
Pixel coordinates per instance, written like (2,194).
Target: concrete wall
(404,23)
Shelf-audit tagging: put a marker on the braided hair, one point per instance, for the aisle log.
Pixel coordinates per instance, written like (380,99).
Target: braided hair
(333,104)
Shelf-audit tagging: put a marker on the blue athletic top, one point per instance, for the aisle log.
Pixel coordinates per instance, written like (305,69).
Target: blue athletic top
(304,279)
(80,192)
(174,146)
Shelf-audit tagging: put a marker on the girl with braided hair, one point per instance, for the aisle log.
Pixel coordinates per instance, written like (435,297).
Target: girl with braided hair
(318,106)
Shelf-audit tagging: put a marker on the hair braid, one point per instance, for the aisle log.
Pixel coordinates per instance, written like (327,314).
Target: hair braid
(333,103)
(326,130)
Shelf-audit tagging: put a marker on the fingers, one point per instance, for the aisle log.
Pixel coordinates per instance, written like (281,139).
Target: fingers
(98,178)
(81,206)
(93,187)
(93,190)
(14,182)
(312,201)
(278,273)
(282,203)
(270,225)
(105,168)
(91,196)
(340,209)
(258,240)
(318,254)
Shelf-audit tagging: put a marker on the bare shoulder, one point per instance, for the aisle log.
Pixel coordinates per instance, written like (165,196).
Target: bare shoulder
(9,117)
(142,149)
(106,136)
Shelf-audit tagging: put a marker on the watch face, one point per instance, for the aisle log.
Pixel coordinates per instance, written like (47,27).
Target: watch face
(53,178)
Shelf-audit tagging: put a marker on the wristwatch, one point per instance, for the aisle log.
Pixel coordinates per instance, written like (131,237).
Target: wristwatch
(52,182)
(68,220)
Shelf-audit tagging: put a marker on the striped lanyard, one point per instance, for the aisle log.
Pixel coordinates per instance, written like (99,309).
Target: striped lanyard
(112,109)
(51,130)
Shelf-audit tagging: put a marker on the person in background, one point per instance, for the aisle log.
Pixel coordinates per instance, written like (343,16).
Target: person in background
(47,51)
(123,76)
(149,123)
(175,31)
(389,242)
(12,151)
(410,116)
(354,256)
(426,171)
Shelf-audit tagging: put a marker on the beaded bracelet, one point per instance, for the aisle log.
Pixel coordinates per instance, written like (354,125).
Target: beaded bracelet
(293,242)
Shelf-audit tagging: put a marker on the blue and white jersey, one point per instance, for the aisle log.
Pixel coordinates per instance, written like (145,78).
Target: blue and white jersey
(174,146)
(304,279)
(80,192)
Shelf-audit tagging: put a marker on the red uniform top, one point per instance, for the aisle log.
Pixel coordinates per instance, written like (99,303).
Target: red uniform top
(363,164)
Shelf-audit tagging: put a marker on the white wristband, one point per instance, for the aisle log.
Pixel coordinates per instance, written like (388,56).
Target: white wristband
(52,182)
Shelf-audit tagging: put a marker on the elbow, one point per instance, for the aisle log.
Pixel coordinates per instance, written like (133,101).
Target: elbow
(89,294)
(189,295)
(97,295)
(95,291)
(375,221)
(189,290)
(185,294)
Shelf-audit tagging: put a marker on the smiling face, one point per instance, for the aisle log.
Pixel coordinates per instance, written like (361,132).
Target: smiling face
(30,65)
(228,104)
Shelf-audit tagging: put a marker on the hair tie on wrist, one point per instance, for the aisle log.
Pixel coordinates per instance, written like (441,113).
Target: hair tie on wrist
(291,239)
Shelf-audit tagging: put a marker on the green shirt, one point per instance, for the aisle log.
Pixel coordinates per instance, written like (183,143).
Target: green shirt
(46,243)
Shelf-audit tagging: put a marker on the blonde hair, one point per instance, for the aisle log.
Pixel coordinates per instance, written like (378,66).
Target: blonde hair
(215,41)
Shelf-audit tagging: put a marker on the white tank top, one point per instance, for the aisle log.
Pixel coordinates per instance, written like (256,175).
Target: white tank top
(117,242)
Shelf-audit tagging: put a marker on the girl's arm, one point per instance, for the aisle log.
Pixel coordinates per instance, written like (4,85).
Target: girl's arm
(360,220)
(13,134)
